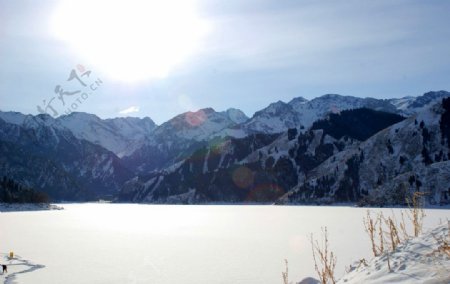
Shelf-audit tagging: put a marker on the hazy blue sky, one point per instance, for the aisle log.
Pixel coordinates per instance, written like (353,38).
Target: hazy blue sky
(249,54)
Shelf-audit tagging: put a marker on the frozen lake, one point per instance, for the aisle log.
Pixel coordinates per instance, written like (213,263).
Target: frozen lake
(126,243)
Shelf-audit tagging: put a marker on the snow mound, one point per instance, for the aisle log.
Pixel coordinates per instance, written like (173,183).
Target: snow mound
(417,260)
(309,280)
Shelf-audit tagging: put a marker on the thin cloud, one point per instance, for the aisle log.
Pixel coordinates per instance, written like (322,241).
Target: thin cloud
(129,110)
(315,36)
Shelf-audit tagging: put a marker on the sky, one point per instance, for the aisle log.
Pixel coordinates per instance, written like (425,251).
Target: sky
(161,58)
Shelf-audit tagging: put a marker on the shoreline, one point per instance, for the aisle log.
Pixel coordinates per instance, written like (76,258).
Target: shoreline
(23,207)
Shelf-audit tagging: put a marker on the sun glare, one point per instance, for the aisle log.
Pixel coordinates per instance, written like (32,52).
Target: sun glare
(130,40)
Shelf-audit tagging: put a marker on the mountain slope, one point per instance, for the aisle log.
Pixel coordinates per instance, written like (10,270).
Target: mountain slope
(257,168)
(179,137)
(409,156)
(412,105)
(119,135)
(310,148)
(42,154)
(197,178)
(301,113)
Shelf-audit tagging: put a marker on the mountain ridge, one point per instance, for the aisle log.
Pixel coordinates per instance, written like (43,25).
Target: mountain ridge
(89,157)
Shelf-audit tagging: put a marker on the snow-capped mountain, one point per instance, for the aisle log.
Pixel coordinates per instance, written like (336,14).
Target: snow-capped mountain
(199,125)
(39,152)
(411,105)
(275,118)
(13,117)
(408,156)
(319,107)
(179,137)
(225,156)
(236,115)
(120,135)
(301,113)
(257,168)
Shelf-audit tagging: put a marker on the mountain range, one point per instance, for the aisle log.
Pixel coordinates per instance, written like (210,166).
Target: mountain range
(330,149)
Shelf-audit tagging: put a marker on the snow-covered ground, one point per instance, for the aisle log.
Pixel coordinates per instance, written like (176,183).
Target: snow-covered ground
(418,260)
(16,266)
(124,243)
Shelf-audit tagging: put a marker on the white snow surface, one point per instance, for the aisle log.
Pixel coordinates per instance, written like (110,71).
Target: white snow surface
(164,244)
(418,260)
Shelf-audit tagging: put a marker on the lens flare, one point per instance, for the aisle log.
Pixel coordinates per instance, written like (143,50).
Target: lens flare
(242,177)
(265,193)
(195,119)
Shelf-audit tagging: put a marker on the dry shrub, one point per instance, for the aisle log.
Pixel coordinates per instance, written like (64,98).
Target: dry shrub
(416,212)
(373,227)
(286,273)
(383,230)
(324,259)
(392,233)
(403,227)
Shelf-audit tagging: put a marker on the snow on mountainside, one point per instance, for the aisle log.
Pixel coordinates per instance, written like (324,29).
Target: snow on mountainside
(199,125)
(283,146)
(301,113)
(319,107)
(275,118)
(200,177)
(42,154)
(179,137)
(236,115)
(402,103)
(412,105)
(257,168)
(29,121)
(13,117)
(119,135)
(411,155)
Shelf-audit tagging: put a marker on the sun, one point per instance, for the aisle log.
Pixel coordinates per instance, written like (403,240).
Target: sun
(130,40)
